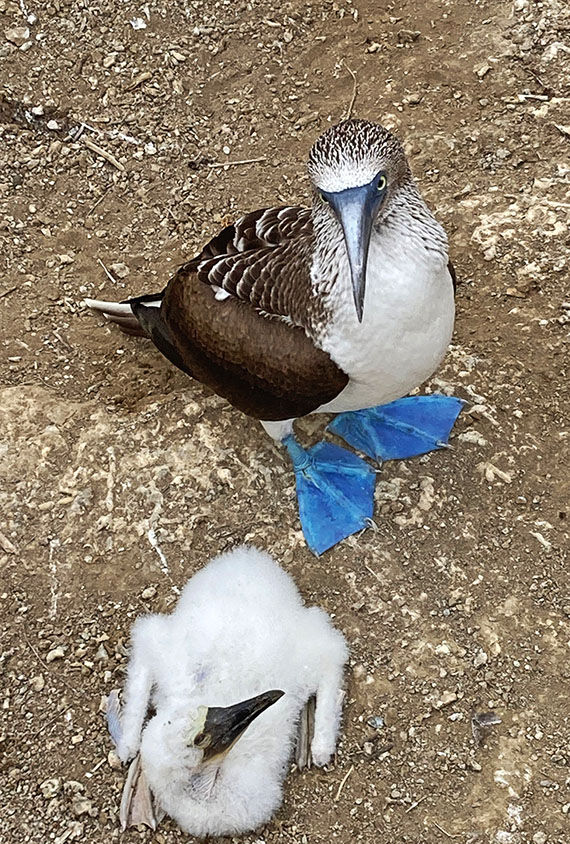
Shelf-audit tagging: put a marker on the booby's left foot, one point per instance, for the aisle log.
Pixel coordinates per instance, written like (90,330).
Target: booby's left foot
(404,428)
(335,490)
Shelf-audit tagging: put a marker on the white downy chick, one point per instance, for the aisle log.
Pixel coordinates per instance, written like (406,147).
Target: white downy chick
(229,674)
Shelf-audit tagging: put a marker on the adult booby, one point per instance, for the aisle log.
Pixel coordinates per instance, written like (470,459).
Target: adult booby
(228,674)
(340,307)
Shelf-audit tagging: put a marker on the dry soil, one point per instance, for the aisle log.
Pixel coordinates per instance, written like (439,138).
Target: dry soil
(121,477)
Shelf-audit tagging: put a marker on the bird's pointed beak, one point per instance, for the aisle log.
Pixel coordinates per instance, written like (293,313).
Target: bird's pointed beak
(224,725)
(355,209)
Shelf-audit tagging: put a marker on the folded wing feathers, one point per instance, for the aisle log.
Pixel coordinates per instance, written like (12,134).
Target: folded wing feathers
(242,249)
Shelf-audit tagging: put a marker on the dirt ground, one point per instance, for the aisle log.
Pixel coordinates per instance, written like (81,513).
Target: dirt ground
(121,477)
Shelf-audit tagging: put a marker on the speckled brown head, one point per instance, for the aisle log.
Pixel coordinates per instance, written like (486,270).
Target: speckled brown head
(352,153)
(356,167)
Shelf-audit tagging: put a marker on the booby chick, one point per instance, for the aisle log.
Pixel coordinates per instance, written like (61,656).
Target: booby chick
(229,675)
(339,308)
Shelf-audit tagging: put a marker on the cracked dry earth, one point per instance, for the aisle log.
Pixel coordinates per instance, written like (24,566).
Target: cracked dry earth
(120,477)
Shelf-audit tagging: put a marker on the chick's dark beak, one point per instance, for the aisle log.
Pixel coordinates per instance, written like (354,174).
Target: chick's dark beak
(224,725)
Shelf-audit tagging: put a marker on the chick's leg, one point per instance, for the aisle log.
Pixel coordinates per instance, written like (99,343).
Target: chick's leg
(137,689)
(327,713)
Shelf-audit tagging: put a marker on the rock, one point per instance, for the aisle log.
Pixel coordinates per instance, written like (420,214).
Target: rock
(55,653)
(148,593)
(101,654)
(73,787)
(120,270)
(359,671)
(114,761)
(408,36)
(81,805)
(446,698)
(413,99)
(50,787)
(540,837)
(37,683)
(480,659)
(17,35)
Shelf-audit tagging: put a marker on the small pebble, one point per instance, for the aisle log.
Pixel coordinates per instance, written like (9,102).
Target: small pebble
(17,35)
(56,653)
(120,270)
(50,787)
(37,683)
(114,761)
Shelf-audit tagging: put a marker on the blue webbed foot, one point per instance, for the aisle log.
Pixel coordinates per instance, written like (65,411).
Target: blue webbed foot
(335,491)
(404,428)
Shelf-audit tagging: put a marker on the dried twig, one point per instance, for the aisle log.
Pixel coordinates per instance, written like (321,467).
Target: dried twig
(445,832)
(138,80)
(415,804)
(373,573)
(237,163)
(8,291)
(108,274)
(354,92)
(101,198)
(44,664)
(342,784)
(47,724)
(102,152)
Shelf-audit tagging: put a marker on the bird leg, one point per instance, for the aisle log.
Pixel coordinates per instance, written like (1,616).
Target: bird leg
(404,428)
(305,735)
(329,700)
(140,675)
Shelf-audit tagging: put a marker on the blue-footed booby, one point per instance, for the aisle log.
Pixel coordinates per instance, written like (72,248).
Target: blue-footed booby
(341,307)
(218,691)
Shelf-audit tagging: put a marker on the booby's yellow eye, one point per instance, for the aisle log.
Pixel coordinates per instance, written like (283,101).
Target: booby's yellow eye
(324,197)
(382,182)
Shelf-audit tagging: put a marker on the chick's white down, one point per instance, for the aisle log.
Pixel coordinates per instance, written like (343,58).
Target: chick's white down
(240,628)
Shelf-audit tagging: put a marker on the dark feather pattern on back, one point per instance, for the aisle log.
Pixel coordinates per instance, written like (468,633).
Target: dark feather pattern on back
(264,259)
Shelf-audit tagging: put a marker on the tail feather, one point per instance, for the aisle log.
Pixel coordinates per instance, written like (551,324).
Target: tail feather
(119,313)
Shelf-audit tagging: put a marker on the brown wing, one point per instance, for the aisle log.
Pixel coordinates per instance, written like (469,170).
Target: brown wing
(264,366)
(263,259)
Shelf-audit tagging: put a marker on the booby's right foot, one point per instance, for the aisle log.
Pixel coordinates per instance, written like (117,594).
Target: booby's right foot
(335,491)
(404,428)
